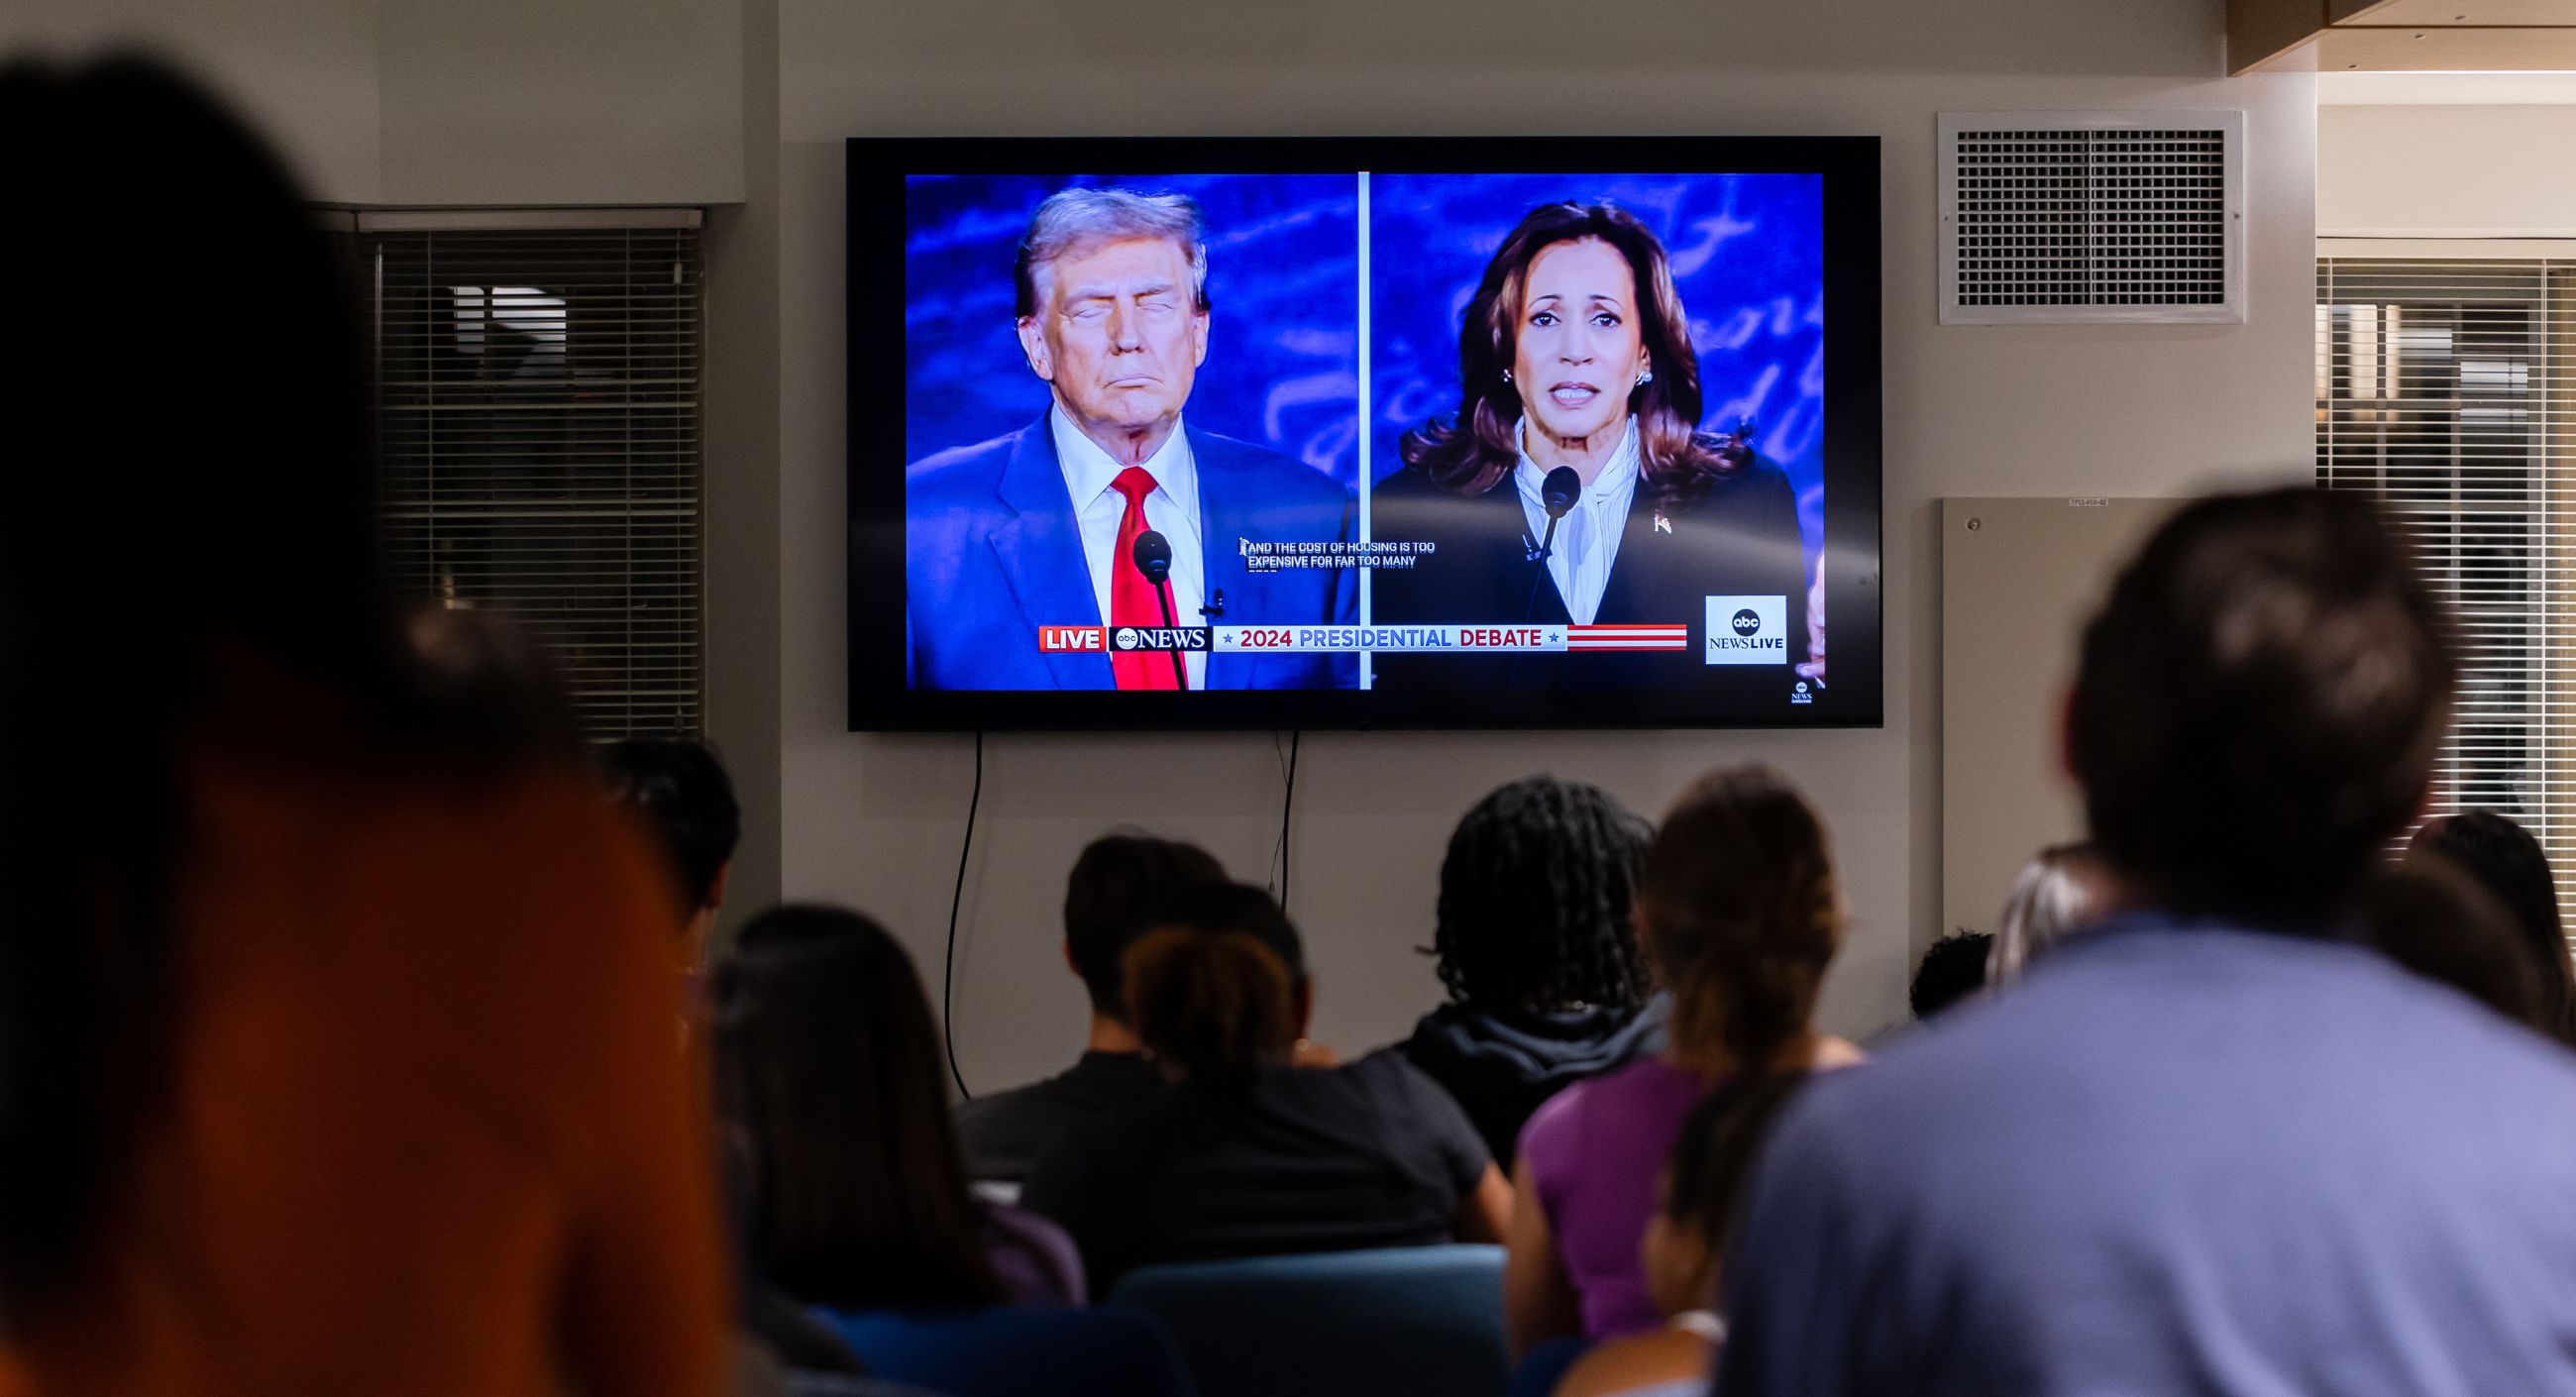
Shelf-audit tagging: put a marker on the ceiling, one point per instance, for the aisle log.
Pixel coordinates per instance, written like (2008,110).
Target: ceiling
(2401,36)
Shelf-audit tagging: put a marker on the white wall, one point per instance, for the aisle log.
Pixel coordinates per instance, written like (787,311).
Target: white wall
(875,821)
(572,101)
(562,101)
(475,102)
(2428,171)
(305,70)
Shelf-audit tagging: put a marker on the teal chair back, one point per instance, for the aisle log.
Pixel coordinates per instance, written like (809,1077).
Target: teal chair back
(1007,1352)
(1402,1322)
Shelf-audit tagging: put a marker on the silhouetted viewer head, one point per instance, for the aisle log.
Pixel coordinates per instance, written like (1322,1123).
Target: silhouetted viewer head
(1118,886)
(2435,918)
(190,508)
(496,686)
(1951,970)
(197,458)
(828,1067)
(1739,904)
(1536,900)
(1218,989)
(2259,705)
(683,794)
(2510,862)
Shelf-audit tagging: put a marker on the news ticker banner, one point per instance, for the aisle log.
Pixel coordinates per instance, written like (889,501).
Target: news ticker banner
(1307,640)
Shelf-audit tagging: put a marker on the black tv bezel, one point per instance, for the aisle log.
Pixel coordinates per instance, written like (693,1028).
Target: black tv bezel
(879,700)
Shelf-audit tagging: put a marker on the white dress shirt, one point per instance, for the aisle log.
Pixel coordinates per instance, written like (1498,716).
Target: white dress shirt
(1171,510)
(1587,538)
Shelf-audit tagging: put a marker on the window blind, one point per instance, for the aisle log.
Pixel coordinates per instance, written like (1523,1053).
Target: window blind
(2445,388)
(538,406)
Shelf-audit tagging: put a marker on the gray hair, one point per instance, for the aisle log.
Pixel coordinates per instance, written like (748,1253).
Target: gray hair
(2058,891)
(1071,217)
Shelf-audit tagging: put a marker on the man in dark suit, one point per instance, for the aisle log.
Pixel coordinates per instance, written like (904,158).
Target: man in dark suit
(1037,528)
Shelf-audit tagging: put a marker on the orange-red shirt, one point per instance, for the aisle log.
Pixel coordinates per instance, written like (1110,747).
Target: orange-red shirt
(427,1132)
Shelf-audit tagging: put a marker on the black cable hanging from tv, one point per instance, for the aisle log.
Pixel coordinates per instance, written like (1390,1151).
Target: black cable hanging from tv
(1287,805)
(956,899)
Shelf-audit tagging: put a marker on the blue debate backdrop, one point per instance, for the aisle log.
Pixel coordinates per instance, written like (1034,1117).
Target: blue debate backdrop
(1283,266)
(1282,369)
(1748,257)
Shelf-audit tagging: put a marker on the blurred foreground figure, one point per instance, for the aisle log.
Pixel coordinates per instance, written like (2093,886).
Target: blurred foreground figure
(329,1062)
(2214,1144)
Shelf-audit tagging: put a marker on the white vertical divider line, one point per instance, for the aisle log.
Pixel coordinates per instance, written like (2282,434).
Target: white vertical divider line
(1367,422)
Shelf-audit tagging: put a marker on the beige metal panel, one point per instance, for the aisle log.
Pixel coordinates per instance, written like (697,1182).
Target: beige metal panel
(2019,578)
(2543,13)
(2271,35)
(2366,11)
(2441,50)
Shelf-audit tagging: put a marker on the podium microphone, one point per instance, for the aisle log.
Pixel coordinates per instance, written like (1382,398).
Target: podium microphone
(1153,555)
(1556,495)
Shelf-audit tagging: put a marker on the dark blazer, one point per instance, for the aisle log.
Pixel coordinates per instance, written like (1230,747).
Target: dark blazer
(992,552)
(1740,538)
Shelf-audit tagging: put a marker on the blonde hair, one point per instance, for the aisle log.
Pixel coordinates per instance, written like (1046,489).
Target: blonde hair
(2056,892)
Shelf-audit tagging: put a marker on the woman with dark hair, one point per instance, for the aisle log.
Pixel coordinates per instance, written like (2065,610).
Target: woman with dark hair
(1250,1154)
(2504,856)
(1579,402)
(2431,915)
(829,1073)
(333,1056)
(1740,911)
(1538,946)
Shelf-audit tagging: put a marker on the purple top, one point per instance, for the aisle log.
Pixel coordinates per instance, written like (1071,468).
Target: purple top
(1033,1258)
(1593,1153)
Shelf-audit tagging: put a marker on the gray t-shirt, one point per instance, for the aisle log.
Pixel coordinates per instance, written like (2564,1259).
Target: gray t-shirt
(2174,1159)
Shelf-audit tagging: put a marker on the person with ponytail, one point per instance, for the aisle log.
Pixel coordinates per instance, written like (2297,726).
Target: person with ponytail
(1740,914)
(1251,1153)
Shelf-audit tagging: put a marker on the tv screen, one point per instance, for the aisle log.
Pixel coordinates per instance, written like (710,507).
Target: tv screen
(1304,433)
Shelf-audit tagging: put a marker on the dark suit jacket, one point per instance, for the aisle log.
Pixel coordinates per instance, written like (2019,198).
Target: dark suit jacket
(993,553)
(1740,538)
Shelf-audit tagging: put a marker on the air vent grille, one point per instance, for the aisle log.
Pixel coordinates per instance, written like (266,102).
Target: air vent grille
(2091,217)
(2021,218)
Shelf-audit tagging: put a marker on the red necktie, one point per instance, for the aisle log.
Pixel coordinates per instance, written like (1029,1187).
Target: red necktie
(1133,601)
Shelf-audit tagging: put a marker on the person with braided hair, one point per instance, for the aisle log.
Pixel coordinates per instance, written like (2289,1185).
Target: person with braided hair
(1740,914)
(1536,942)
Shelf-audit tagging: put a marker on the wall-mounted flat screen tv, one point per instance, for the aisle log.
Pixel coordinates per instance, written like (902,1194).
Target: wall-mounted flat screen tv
(1310,433)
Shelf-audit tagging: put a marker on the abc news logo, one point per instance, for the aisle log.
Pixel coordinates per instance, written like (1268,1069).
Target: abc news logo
(1130,638)
(1747,631)
(1125,639)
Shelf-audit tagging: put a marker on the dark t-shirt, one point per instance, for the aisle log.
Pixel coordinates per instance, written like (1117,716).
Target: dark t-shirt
(1302,1160)
(1004,1134)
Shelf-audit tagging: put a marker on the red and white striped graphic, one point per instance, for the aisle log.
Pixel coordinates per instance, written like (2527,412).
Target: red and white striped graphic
(1627,637)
